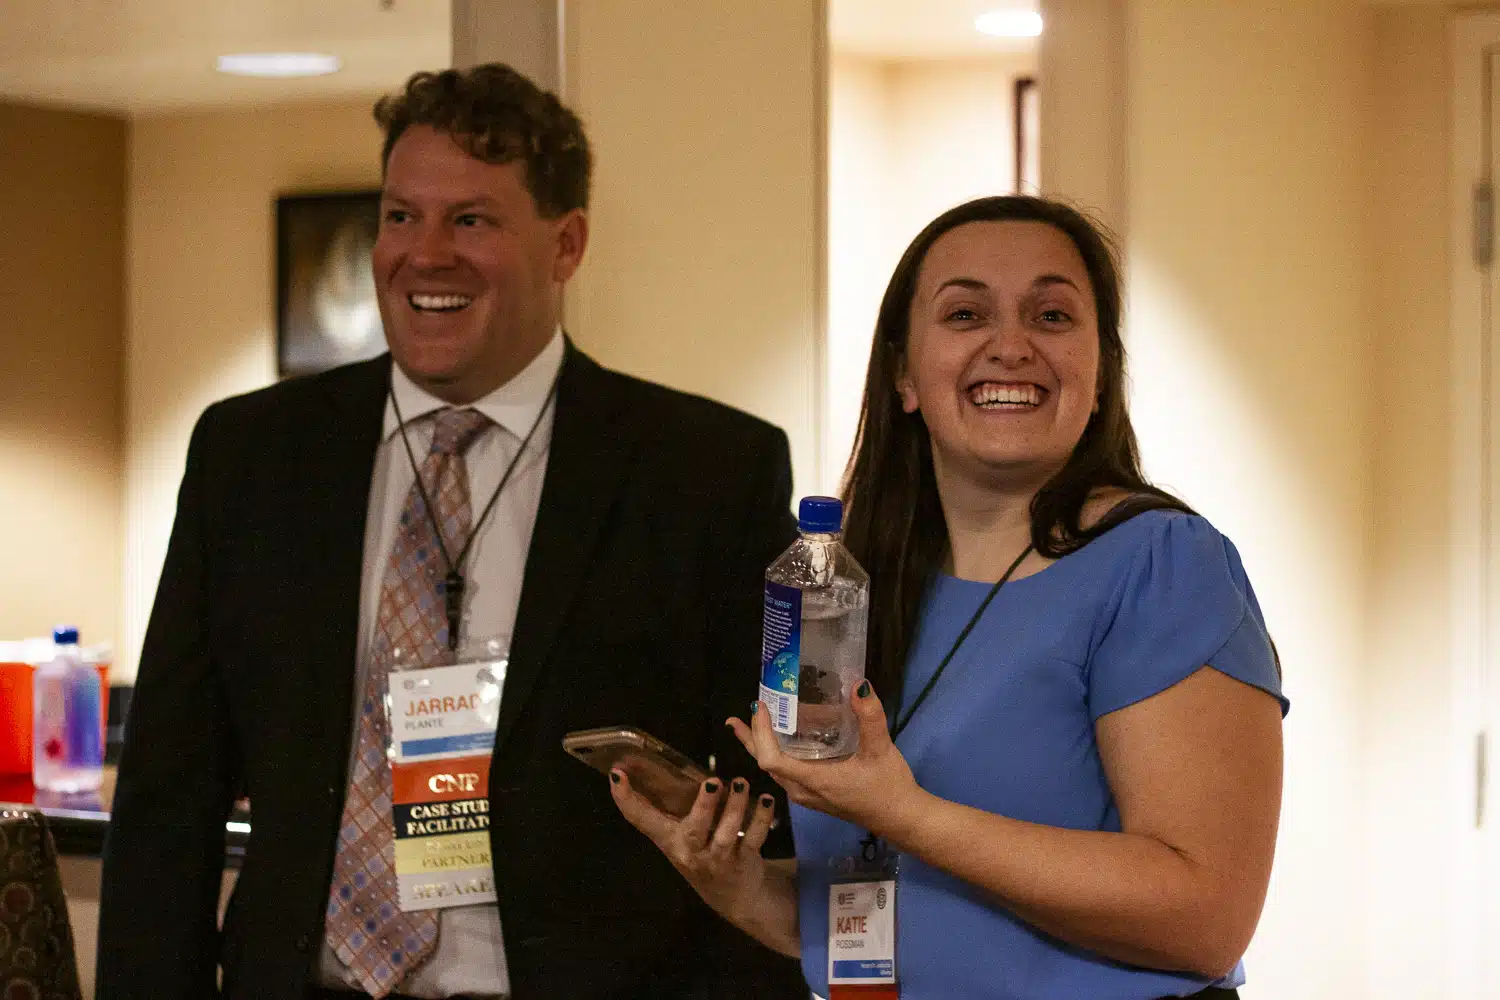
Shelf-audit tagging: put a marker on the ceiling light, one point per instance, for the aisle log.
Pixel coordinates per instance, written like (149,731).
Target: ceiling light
(1010,23)
(279,64)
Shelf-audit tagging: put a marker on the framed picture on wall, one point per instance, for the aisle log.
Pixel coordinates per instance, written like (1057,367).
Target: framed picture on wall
(1028,172)
(325,291)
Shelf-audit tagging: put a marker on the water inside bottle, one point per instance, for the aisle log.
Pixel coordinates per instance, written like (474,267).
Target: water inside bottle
(67,747)
(832,661)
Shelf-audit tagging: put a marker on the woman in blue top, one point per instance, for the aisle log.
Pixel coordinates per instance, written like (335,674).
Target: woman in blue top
(1084,798)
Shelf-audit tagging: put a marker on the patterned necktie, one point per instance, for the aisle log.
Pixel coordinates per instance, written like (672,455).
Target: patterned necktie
(378,943)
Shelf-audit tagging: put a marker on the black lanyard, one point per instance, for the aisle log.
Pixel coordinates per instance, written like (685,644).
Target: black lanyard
(900,726)
(870,845)
(453,583)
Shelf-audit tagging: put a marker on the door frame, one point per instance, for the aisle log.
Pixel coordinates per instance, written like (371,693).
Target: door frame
(1475,631)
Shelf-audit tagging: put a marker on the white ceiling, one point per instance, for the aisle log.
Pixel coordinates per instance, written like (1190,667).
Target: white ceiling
(915,29)
(142,56)
(146,56)
(149,56)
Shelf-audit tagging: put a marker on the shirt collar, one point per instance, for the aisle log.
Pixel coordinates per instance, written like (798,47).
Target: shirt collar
(516,405)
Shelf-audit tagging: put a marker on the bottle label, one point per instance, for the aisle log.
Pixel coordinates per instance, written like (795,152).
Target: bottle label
(780,651)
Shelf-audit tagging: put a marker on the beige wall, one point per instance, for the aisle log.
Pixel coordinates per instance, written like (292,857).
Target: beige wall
(1242,192)
(862,245)
(1407,689)
(704,269)
(62,223)
(525,34)
(907,140)
(202,283)
(1249,328)
(1082,83)
(953,132)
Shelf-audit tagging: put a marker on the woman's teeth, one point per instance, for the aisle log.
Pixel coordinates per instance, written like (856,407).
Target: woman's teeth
(997,396)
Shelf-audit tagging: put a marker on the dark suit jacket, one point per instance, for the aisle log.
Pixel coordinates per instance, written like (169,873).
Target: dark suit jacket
(640,605)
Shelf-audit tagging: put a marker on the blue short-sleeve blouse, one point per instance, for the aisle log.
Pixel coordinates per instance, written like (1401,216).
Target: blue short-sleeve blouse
(1009,728)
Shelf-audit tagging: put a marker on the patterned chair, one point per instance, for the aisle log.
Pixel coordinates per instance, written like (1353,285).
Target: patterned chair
(36,940)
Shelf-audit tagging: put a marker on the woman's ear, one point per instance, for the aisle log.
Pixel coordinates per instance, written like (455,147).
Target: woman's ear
(905,389)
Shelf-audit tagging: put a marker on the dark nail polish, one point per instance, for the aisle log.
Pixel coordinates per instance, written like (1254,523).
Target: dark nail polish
(711,787)
(614,776)
(739,786)
(864,689)
(754,707)
(767,802)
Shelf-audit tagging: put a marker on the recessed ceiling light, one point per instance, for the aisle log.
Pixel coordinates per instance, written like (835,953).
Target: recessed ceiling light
(1010,23)
(279,64)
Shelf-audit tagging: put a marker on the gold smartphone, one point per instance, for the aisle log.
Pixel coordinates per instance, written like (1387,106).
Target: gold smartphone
(668,778)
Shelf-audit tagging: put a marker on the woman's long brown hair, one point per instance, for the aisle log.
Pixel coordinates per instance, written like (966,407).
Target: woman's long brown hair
(895,525)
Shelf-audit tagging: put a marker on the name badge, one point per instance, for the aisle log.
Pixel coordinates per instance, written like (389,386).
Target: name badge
(862,929)
(442,736)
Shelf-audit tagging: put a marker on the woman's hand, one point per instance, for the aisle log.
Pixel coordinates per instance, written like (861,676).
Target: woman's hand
(873,788)
(722,864)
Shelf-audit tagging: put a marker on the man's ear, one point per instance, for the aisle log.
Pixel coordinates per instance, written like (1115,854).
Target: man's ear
(572,241)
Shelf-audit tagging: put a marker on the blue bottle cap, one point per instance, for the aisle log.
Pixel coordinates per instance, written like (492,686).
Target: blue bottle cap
(820,515)
(65,635)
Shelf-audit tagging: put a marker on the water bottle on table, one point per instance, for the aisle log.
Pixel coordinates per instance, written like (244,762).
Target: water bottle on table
(67,745)
(813,637)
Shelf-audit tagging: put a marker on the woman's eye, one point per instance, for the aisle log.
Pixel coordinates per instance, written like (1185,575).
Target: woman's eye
(1053,316)
(962,314)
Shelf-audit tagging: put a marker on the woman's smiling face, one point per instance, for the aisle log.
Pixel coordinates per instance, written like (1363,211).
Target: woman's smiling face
(1002,358)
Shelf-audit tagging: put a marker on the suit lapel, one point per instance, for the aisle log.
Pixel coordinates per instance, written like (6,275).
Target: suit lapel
(589,452)
(344,438)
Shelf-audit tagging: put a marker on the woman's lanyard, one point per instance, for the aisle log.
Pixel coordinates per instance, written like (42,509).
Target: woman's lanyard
(453,583)
(869,843)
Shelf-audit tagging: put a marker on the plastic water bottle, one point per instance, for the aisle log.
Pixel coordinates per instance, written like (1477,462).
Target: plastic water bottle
(67,744)
(813,637)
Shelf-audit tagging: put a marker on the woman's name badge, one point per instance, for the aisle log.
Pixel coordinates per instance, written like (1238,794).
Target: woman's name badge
(442,736)
(862,929)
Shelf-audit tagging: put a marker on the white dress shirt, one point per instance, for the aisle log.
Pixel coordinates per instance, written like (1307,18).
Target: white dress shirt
(469,958)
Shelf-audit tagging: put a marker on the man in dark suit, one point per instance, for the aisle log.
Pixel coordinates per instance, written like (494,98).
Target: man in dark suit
(610,533)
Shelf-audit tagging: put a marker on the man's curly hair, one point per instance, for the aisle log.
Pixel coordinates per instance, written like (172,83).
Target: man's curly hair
(499,116)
